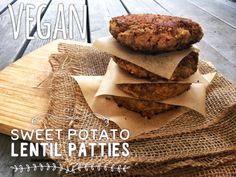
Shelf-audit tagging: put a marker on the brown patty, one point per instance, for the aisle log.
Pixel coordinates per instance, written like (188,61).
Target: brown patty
(153,33)
(144,107)
(185,68)
(154,91)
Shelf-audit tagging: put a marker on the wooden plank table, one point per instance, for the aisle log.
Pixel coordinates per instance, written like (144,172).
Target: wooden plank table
(218,45)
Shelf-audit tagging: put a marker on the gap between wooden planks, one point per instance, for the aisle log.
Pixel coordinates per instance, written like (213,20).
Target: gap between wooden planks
(20,99)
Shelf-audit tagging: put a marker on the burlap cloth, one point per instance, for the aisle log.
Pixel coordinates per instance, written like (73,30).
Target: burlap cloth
(190,145)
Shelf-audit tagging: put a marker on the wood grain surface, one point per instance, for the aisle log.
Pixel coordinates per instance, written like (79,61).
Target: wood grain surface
(21,99)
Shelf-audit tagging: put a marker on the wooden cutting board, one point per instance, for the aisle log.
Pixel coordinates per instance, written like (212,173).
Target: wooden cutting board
(20,98)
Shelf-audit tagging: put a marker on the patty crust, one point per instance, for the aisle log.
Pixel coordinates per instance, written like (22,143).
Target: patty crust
(185,68)
(154,91)
(154,33)
(144,107)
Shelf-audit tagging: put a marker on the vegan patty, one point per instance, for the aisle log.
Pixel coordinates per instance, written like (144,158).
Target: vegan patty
(154,91)
(144,107)
(185,68)
(153,33)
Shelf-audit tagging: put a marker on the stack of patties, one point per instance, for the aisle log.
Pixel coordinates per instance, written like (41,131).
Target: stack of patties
(154,34)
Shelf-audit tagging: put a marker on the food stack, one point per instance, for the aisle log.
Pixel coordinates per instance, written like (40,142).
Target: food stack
(154,34)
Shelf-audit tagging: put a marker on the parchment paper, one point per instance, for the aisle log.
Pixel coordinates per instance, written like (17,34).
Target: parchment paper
(161,64)
(124,118)
(119,76)
(103,107)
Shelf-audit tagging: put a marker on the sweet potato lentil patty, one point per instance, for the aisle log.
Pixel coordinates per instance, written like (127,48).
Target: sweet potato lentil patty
(185,68)
(154,33)
(144,107)
(155,91)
